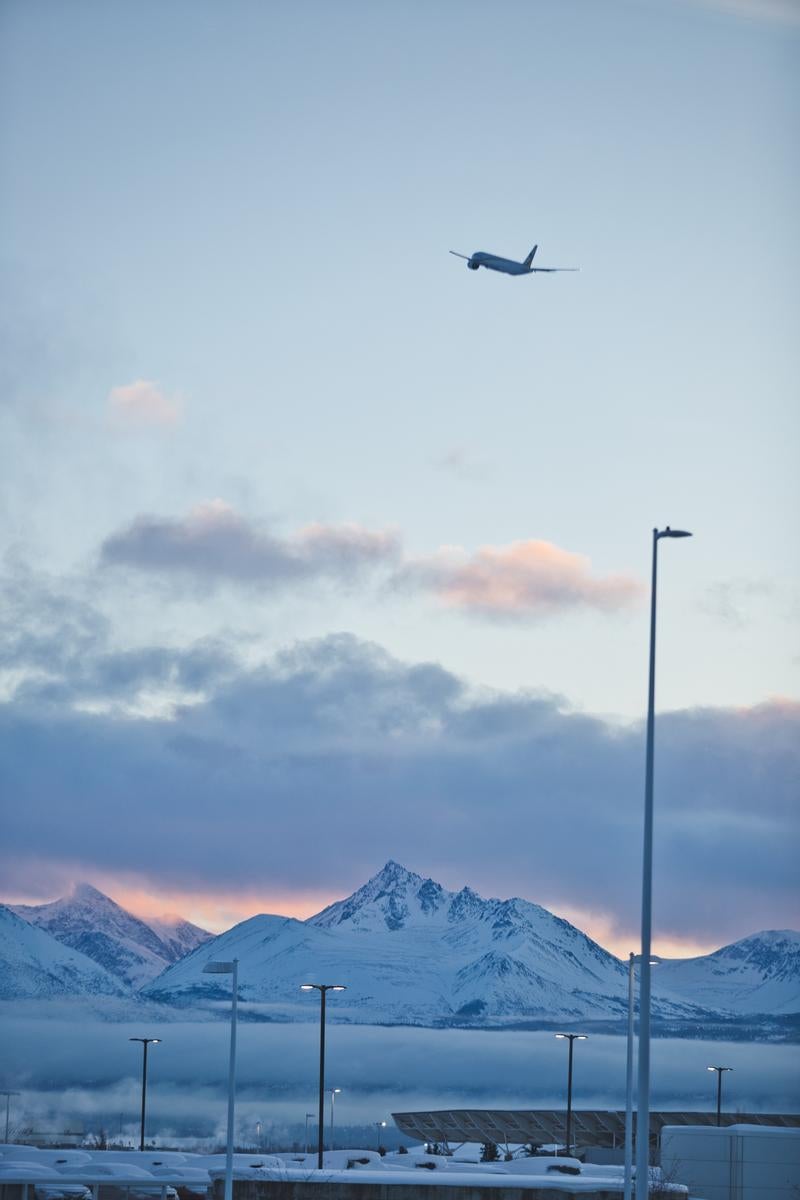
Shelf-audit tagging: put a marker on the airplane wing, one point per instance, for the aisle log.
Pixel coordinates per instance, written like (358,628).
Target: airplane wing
(466,256)
(549,270)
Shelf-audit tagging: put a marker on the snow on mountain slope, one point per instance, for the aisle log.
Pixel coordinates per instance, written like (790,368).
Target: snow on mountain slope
(38,966)
(410,951)
(759,974)
(179,936)
(123,944)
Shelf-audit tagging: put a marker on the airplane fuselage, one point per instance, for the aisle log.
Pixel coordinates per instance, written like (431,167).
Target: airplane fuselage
(493,262)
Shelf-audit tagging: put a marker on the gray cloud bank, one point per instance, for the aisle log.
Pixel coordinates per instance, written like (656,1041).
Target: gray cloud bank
(67,1071)
(214,542)
(309,771)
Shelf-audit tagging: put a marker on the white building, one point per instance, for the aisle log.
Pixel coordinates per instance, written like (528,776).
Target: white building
(736,1162)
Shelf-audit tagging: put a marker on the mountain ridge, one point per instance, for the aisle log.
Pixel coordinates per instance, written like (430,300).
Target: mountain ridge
(412,952)
(125,945)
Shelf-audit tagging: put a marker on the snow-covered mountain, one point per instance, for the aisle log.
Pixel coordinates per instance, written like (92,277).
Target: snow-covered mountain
(759,974)
(126,946)
(411,952)
(37,966)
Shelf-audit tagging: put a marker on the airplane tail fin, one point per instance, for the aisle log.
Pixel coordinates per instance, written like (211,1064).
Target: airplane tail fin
(529,259)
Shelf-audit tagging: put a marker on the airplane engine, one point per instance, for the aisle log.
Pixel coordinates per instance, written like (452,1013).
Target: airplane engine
(473,266)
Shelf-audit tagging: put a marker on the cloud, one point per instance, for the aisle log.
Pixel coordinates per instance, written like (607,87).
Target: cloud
(87,1070)
(57,648)
(311,769)
(215,543)
(519,581)
(143,402)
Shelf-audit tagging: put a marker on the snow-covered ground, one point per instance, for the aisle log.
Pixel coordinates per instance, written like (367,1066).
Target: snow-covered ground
(53,1173)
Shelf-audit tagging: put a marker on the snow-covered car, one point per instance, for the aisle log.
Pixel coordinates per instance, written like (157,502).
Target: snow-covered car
(48,1183)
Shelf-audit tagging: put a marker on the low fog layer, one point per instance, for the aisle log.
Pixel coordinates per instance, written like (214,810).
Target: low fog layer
(88,1075)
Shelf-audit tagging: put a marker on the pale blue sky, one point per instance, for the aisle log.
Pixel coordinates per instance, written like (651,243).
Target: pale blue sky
(250,205)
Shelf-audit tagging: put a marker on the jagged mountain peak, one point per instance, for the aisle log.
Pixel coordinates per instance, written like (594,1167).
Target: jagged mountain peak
(397,899)
(392,898)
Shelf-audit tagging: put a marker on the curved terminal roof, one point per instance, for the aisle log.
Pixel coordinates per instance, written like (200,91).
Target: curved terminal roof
(592,1127)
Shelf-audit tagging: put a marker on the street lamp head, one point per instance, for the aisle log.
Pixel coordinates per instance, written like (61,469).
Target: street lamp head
(323,987)
(145,1041)
(308,987)
(574,1037)
(719,1068)
(673,533)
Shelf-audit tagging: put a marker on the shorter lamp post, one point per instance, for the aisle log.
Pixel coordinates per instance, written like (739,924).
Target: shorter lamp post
(379,1125)
(333,1093)
(229,968)
(145,1043)
(720,1071)
(571,1037)
(323,989)
(308,1118)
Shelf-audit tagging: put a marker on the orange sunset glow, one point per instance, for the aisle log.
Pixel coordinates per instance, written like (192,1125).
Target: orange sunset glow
(218,911)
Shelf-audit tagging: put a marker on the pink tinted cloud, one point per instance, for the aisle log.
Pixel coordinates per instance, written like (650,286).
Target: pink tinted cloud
(143,402)
(523,579)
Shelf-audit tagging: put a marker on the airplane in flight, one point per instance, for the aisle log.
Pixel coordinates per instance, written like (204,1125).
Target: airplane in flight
(507,265)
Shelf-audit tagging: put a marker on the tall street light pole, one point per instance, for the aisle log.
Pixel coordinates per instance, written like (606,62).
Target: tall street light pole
(633,959)
(643,1091)
(308,1118)
(232,969)
(323,989)
(572,1037)
(720,1071)
(8,1096)
(145,1043)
